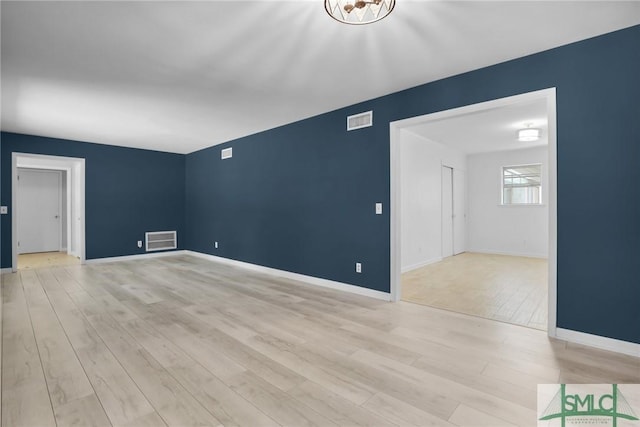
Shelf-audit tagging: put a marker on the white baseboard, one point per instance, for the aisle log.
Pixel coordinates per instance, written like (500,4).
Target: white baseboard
(134,257)
(420,264)
(296,276)
(603,343)
(6,270)
(523,254)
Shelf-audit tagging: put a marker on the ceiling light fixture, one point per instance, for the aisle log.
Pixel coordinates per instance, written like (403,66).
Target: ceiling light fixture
(528,134)
(358,12)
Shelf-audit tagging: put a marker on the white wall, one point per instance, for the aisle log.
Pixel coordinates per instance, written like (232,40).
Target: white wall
(510,230)
(421,164)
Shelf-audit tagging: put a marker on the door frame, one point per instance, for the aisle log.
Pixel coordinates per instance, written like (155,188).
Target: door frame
(457,193)
(60,190)
(395,212)
(442,205)
(75,168)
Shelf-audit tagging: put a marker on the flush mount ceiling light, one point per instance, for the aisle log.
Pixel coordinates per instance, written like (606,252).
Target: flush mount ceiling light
(358,12)
(528,134)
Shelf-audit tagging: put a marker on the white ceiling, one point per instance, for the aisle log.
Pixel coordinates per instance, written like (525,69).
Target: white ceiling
(488,130)
(181,76)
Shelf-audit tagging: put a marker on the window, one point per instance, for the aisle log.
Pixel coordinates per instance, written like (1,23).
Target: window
(521,185)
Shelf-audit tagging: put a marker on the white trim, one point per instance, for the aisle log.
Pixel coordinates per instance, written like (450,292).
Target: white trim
(597,341)
(395,149)
(395,246)
(523,254)
(295,276)
(6,271)
(553,212)
(134,257)
(421,264)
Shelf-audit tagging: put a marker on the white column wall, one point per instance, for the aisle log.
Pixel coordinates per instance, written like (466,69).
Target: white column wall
(421,162)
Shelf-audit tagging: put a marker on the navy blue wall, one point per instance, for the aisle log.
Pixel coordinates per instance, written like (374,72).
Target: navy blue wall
(301,197)
(128,192)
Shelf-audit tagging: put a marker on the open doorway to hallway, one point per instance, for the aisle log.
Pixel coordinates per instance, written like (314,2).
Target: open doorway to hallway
(48,211)
(43,240)
(475,231)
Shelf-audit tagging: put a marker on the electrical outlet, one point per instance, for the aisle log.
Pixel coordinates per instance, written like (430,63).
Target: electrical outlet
(215,245)
(3,210)
(139,243)
(378,208)
(358,267)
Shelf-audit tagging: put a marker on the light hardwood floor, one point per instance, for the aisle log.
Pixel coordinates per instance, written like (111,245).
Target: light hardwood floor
(186,342)
(45,259)
(510,289)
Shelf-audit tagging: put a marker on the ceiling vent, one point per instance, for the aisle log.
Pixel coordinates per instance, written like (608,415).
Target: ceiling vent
(227,153)
(358,121)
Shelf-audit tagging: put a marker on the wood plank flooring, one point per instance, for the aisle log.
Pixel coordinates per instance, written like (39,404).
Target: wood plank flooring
(182,341)
(510,289)
(45,259)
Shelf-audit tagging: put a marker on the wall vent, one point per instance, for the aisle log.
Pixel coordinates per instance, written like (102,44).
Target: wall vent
(160,240)
(358,121)
(227,153)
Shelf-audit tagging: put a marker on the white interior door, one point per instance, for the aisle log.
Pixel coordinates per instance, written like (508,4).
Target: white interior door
(39,208)
(447,211)
(459,212)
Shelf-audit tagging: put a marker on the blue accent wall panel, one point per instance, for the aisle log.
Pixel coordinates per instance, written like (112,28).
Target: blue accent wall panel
(127,192)
(301,197)
(293,201)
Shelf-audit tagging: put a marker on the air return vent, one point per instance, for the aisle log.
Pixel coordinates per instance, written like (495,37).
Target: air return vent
(358,121)
(161,240)
(227,153)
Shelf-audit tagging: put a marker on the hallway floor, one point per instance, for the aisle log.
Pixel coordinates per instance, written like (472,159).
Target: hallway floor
(45,259)
(506,288)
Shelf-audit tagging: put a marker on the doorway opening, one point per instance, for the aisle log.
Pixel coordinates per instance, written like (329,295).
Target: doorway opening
(448,213)
(48,211)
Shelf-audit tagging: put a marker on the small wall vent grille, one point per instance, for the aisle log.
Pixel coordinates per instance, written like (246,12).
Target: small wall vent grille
(161,240)
(227,153)
(359,121)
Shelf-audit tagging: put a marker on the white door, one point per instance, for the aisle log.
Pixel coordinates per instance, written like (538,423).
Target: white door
(459,212)
(447,211)
(38,210)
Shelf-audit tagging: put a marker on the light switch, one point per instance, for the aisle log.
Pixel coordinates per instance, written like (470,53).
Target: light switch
(3,210)
(378,208)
